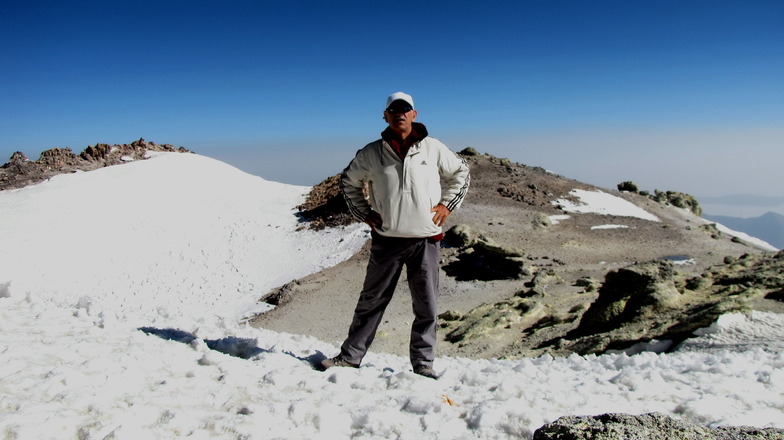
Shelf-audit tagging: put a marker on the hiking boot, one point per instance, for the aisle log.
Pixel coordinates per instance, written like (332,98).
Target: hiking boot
(337,361)
(426,371)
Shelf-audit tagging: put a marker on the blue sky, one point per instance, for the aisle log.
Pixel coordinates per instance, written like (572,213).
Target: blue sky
(680,95)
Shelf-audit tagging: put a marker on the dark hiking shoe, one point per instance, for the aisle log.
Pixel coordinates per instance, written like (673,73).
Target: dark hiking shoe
(337,361)
(424,370)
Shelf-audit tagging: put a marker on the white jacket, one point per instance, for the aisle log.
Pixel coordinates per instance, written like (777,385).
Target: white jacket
(404,192)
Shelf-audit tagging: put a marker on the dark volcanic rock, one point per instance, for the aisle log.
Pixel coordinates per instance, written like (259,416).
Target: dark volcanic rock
(653,426)
(479,257)
(325,206)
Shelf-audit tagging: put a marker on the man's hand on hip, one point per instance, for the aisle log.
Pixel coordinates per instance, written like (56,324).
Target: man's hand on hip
(441,213)
(374,220)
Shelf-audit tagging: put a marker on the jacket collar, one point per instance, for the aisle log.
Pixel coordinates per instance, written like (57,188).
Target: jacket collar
(418,132)
(401,146)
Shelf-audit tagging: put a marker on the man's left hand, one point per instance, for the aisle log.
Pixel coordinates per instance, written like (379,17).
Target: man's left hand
(441,213)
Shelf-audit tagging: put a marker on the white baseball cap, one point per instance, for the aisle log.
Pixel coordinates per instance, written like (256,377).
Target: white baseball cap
(399,96)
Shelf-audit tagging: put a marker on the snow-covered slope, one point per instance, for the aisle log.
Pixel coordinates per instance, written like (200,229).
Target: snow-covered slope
(181,246)
(172,238)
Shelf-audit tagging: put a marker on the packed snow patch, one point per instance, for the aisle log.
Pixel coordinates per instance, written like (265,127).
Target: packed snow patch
(599,202)
(737,330)
(762,244)
(556,219)
(609,227)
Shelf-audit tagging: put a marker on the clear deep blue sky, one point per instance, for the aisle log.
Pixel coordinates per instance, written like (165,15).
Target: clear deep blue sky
(681,95)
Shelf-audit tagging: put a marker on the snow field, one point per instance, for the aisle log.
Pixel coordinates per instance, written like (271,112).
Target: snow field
(162,238)
(64,375)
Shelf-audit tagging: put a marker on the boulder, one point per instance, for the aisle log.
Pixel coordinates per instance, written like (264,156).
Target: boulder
(485,322)
(57,158)
(678,199)
(632,293)
(469,151)
(628,186)
(479,257)
(541,281)
(652,426)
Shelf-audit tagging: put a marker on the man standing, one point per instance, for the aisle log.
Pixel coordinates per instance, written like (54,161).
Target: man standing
(393,185)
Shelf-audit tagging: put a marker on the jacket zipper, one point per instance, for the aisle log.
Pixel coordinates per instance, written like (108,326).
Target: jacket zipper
(413,150)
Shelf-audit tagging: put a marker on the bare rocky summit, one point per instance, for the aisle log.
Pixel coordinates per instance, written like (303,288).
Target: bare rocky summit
(518,283)
(20,171)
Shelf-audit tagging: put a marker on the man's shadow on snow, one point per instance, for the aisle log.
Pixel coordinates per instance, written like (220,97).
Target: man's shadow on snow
(244,348)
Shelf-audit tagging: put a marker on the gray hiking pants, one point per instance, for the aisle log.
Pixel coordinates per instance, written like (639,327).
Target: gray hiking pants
(387,257)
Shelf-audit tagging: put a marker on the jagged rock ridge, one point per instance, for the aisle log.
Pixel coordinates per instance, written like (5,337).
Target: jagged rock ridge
(19,171)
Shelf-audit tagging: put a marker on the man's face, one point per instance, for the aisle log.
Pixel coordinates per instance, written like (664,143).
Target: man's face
(399,115)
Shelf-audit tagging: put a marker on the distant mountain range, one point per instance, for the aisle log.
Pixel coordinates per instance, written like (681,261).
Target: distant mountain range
(768,227)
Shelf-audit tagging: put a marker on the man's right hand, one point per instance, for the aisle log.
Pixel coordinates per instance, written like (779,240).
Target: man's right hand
(374,220)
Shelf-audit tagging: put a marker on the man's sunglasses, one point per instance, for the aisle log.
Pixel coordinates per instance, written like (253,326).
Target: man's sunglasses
(399,108)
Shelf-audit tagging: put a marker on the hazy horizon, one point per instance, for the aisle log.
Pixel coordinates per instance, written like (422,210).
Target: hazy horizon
(269,166)
(683,96)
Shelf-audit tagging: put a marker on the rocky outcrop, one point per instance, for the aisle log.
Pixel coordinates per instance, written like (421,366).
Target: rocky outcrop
(325,206)
(469,151)
(674,198)
(678,199)
(281,295)
(58,159)
(628,186)
(652,426)
(652,302)
(525,310)
(487,319)
(635,293)
(475,256)
(643,303)
(20,171)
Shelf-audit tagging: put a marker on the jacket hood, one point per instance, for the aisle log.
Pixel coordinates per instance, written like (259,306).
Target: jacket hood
(418,132)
